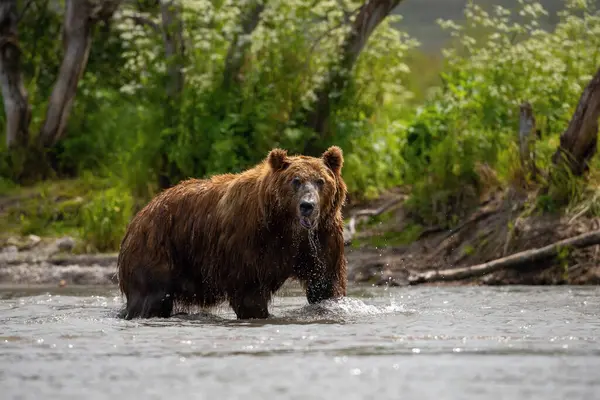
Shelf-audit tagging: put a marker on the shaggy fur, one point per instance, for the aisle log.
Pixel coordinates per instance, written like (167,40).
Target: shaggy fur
(238,238)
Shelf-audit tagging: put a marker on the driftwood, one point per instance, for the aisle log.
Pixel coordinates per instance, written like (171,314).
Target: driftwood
(514,260)
(350,229)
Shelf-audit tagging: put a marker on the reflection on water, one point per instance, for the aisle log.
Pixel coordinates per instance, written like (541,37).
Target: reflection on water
(409,343)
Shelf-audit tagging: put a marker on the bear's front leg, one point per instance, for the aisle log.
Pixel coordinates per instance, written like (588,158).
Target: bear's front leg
(327,278)
(250,304)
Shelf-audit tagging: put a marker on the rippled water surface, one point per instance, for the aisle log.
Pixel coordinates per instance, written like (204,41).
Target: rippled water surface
(396,343)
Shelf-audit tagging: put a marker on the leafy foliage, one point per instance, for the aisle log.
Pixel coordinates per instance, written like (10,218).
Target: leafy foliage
(494,65)
(126,125)
(105,217)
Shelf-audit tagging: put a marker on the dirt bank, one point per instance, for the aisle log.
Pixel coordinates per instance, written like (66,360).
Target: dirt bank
(502,225)
(499,227)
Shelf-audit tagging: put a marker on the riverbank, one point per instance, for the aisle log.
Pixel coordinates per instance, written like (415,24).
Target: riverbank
(383,250)
(504,224)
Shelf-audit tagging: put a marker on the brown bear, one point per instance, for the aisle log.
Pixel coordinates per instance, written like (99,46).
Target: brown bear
(238,238)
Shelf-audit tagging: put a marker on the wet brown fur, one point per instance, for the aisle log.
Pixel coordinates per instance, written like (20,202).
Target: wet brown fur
(235,238)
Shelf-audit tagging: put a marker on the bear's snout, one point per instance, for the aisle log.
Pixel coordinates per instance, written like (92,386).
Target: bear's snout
(306,208)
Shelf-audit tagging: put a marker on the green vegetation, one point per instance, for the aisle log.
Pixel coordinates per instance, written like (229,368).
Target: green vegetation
(472,119)
(404,118)
(391,237)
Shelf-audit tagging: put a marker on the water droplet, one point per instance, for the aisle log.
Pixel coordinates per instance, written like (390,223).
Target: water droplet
(457,350)
(355,371)
(416,351)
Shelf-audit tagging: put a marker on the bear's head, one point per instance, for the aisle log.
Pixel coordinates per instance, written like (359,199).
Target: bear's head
(308,189)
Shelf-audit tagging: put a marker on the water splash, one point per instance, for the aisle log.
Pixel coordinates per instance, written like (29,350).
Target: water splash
(346,309)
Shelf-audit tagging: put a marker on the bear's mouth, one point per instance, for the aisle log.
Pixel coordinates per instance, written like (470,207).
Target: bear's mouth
(306,222)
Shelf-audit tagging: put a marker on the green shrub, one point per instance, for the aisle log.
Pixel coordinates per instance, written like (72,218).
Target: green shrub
(105,217)
(126,127)
(493,66)
(209,129)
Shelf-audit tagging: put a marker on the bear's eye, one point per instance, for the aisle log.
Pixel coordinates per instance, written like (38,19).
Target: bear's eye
(320,182)
(296,182)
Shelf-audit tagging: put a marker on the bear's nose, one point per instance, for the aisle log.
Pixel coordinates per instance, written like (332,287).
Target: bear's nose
(306,208)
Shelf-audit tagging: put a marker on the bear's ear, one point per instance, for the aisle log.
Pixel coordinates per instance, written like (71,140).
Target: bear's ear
(278,159)
(334,159)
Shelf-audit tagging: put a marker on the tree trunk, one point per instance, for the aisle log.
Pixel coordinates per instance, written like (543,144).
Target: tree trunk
(174,47)
(370,15)
(80,17)
(235,55)
(527,136)
(77,38)
(16,107)
(172,29)
(578,142)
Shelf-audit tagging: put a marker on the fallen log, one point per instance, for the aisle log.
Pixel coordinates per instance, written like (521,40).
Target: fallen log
(514,260)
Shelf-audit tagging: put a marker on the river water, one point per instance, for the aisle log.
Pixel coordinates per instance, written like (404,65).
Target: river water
(379,343)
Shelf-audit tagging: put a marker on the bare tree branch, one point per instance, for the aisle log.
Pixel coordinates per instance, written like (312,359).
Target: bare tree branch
(350,228)
(142,20)
(29,3)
